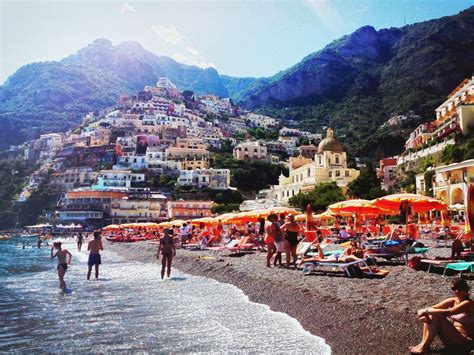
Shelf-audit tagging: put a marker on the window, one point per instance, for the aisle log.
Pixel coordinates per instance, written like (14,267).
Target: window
(320,161)
(309,172)
(337,159)
(338,173)
(347,173)
(330,174)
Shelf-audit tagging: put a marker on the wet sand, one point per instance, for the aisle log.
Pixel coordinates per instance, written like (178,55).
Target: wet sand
(354,316)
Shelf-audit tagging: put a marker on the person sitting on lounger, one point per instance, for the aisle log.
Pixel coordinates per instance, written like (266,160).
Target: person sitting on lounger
(452,320)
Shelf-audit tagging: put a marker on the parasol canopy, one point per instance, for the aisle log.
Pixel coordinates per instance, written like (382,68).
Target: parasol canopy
(357,206)
(111,227)
(470,214)
(418,203)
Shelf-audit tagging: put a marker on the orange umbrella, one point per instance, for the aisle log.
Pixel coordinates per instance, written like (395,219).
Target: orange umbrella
(207,221)
(358,206)
(111,227)
(418,203)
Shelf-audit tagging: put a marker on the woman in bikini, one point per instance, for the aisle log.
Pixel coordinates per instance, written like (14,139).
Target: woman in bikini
(291,230)
(168,251)
(271,232)
(452,320)
(61,254)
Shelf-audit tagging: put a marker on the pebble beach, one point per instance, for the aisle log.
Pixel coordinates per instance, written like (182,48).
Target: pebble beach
(353,315)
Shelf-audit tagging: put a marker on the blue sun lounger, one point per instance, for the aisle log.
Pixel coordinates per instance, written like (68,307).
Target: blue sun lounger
(310,266)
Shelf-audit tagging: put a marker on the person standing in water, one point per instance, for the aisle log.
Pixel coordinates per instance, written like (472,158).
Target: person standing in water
(94,246)
(168,251)
(61,254)
(80,240)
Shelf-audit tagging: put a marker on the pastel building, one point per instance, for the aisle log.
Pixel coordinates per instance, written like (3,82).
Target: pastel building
(329,165)
(253,150)
(216,179)
(189,209)
(139,208)
(386,172)
(451,181)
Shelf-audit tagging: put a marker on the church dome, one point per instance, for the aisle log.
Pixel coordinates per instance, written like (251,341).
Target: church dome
(330,144)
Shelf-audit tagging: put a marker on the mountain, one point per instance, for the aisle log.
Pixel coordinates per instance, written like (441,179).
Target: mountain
(51,96)
(359,81)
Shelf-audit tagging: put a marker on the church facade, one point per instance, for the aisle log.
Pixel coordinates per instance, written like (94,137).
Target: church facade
(329,164)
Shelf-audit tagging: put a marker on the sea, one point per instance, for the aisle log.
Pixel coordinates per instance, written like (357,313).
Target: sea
(129,309)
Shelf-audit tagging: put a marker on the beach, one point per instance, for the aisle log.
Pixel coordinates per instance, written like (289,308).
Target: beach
(367,316)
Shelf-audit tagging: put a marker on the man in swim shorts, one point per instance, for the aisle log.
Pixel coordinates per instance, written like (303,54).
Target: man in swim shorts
(94,246)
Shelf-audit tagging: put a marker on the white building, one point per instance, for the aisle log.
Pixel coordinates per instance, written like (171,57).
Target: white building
(216,179)
(117,180)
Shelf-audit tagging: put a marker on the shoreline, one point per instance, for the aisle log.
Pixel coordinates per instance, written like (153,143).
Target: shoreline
(366,316)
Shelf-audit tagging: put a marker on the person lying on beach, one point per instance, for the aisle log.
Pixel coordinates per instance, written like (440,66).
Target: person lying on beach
(167,250)
(452,320)
(61,254)
(353,253)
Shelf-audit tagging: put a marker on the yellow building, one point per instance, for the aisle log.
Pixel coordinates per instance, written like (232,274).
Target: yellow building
(450,182)
(329,165)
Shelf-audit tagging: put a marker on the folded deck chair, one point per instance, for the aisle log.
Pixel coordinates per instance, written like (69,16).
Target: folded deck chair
(460,266)
(310,266)
(387,256)
(415,251)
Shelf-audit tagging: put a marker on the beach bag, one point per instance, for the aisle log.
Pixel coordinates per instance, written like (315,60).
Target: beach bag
(415,263)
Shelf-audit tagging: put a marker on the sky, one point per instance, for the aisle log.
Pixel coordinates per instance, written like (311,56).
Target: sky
(239,38)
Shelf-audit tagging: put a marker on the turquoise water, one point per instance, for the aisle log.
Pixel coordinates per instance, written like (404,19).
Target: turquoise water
(130,309)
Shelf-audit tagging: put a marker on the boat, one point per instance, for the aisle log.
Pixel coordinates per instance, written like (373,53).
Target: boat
(5,236)
(28,235)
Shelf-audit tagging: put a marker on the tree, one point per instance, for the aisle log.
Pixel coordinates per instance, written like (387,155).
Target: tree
(224,208)
(367,184)
(320,198)
(408,184)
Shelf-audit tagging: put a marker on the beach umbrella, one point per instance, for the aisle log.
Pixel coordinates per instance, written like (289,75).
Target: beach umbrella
(470,214)
(110,227)
(358,207)
(418,203)
(275,210)
(207,221)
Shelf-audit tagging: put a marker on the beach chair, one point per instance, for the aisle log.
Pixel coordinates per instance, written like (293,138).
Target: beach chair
(437,263)
(460,266)
(415,251)
(399,257)
(311,266)
(231,244)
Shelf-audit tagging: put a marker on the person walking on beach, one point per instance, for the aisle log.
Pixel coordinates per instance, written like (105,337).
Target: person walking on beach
(94,246)
(80,240)
(168,251)
(61,254)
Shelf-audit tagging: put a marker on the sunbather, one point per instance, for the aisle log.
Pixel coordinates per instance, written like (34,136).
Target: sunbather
(452,320)
(354,253)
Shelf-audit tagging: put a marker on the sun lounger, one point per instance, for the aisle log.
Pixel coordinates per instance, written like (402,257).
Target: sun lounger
(311,265)
(415,251)
(231,244)
(387,256)
(460,266)
(435,262)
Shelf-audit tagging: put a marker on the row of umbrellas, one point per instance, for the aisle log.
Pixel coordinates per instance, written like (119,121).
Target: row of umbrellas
(382,206)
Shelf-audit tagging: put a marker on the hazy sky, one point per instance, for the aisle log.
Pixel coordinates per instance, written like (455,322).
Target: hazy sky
(241,38)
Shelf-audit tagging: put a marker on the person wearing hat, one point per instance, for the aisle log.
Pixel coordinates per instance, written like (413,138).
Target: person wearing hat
(61,254)
(94,246)
(452,320)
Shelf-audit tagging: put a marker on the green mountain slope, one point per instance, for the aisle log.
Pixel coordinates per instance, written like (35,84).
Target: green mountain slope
(357,82)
